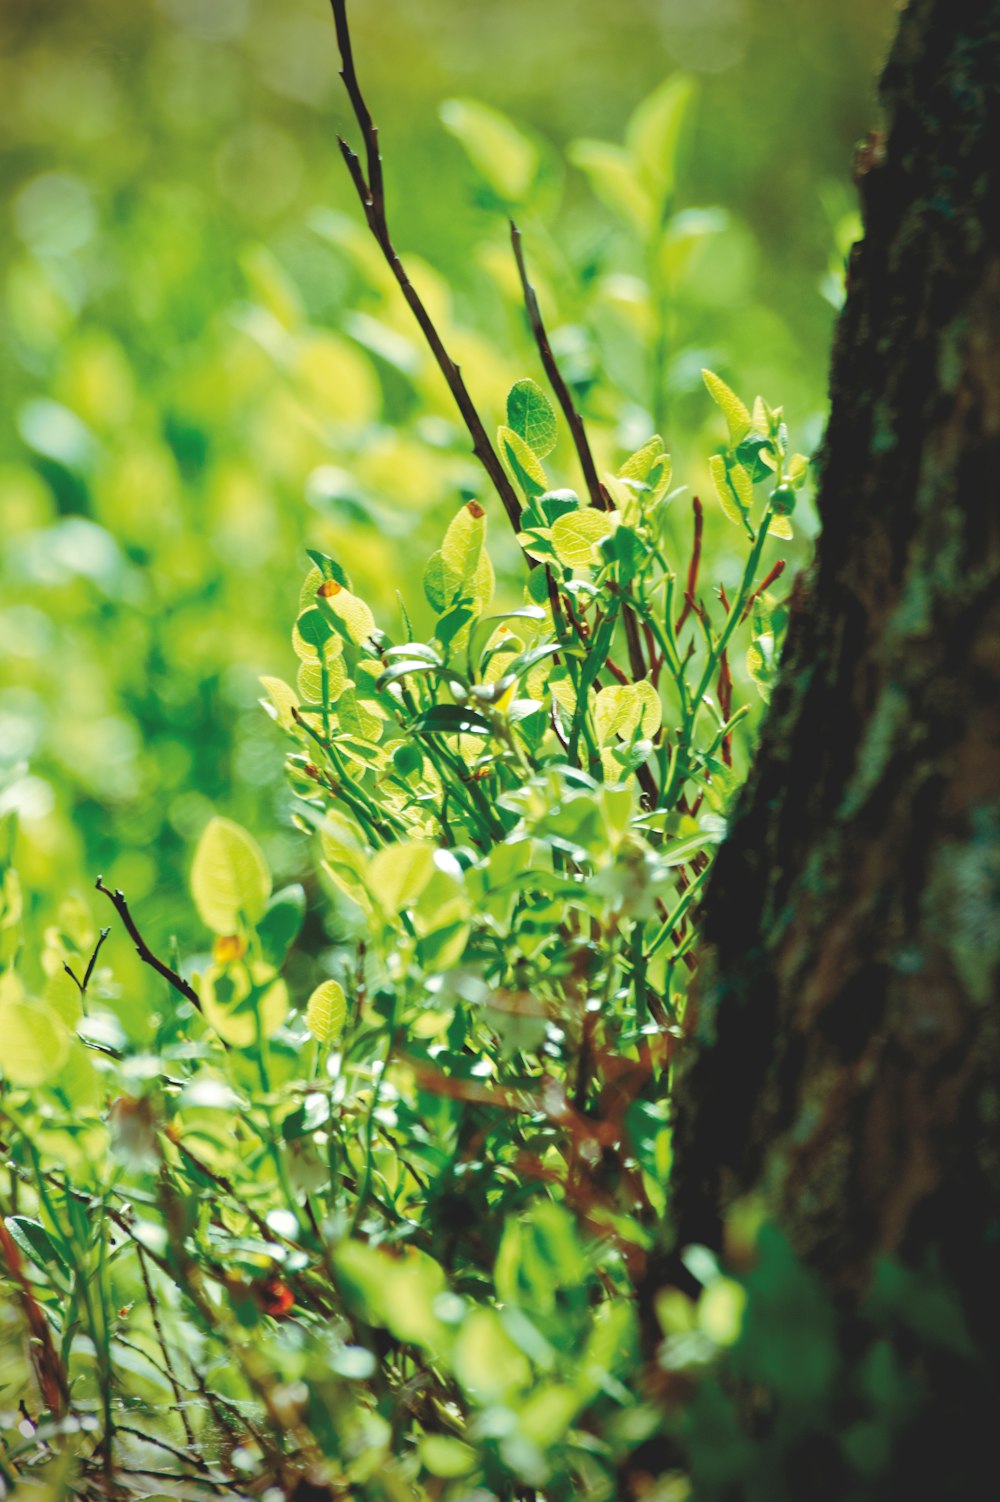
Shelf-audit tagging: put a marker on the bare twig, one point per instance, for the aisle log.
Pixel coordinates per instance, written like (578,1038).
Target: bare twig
(142,949)
(692,579)
(599,497)
(81,985)
(371,193)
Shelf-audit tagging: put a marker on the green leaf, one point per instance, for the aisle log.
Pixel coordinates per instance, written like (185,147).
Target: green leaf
(531,416)
(487,1363)
(653,131)
(37,1244)
(647,463)
(736,414)
(728,499)
(398,1292)
(281,700)
(398,874)
(282,923)
(444,1456)
(522,462)
(781,526)
(329,568)
(35,1042)
(326,1012)
(351,614)
(625,708)
(616,179)
(241,1002)
(461,571)
(577,535)
(312,635)
(451,719)
(503,154)
(230,880)
(345,860)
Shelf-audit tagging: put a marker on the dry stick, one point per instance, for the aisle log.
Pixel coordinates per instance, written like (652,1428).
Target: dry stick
(692,579)
(371,192)
(82,985)
(142,949)
(598,495)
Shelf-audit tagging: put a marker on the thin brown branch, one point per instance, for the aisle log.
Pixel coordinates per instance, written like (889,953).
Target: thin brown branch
(82,985)
(142,949)
(598,495)
(371,192)
(692,579)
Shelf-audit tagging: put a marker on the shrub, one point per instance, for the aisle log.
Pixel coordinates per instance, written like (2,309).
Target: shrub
(384,1241)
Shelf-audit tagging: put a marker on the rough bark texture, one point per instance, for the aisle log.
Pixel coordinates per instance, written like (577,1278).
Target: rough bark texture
(845,1051)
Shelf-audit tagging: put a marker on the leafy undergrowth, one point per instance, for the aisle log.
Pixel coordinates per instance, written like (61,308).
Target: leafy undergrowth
(383,1241)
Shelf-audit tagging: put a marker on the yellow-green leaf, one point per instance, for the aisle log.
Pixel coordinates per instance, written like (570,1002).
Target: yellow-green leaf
(313,636)
(523,462)
(622,709)
(230,880)
(35,1042)
(576,534)
(781,526)
(653,131)
(345,861)
(350,610)
(398,874)
(740,480)
(734,411)
(615,177)
(281,700)
(638,465)
(326,1011)
(309,679)
(461,569)
(503,154)
(727,496)
(443,1455)
(798,468)
(241,1003)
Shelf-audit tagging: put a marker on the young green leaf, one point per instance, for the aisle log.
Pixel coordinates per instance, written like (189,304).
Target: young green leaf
(353,615)
(531,416)
(522,462)
(326,1012)
(577,535)
(230,880)
(728,499)
(736,414)
(503,154)
(35,1042)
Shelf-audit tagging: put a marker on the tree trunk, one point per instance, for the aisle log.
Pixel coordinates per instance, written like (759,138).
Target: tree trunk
(843,1054)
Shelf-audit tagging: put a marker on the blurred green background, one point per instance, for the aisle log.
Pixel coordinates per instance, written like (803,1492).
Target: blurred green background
(206,368)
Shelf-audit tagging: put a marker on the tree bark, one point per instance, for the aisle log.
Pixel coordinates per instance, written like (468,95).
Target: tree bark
(844,1052)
